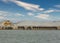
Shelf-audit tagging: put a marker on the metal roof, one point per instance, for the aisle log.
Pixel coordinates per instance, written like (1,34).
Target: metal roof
(32,23)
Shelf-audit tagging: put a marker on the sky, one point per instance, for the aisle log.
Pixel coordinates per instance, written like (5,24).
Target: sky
(33,10)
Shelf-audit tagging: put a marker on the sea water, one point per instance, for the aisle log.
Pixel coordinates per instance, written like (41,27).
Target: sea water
(29,36)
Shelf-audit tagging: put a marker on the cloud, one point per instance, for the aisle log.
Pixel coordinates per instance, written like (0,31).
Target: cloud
(30,14)
(26,6)
(52,10)
(49,11)
(3,14)
(43,16)
(5,0)
(57,6)
(1,17)
(57,10)
(35,8)
(18,14)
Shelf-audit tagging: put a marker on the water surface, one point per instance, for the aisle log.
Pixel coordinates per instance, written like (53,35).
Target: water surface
(29,36)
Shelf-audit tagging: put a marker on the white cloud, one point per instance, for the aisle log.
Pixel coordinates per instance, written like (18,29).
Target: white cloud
(43,16)
(5,0)
(30,14)
(57,10)
(27,6)
(57,6)
(49,11)
(19,14)
(1,17)
(3,14)
(34,7)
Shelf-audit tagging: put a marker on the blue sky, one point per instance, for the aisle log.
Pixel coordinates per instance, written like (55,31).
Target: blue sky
(36,10)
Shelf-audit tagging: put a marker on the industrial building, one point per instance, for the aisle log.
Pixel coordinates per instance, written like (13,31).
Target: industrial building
(29,25)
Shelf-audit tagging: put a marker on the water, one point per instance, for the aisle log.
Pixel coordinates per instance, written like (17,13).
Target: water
(29,36)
